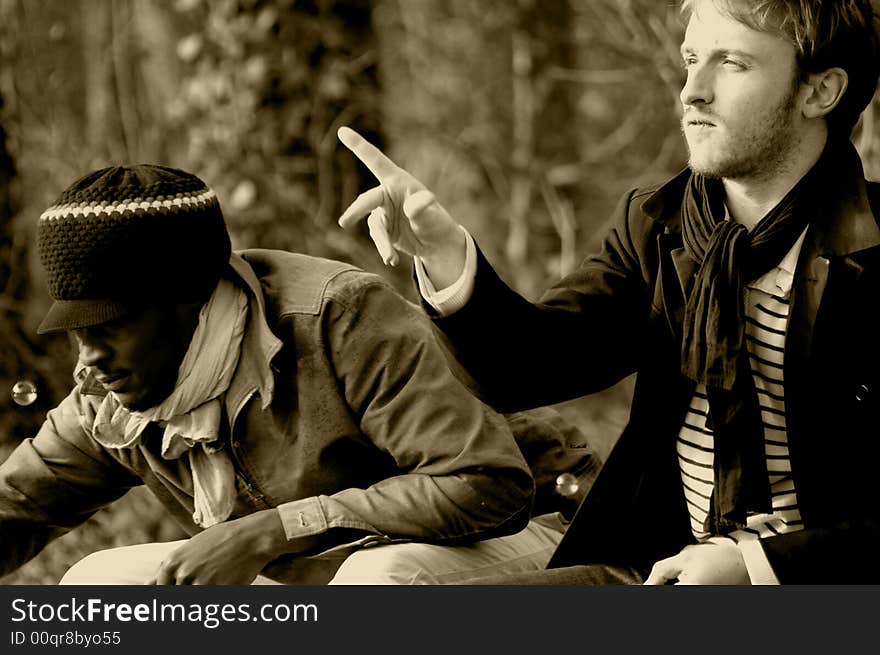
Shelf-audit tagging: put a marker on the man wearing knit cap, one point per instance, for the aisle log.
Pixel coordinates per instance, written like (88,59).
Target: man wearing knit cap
(285,409)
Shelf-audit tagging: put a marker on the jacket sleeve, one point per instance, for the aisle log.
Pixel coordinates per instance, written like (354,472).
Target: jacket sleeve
(461,474)
(841,554)
(584,335)
(54,482)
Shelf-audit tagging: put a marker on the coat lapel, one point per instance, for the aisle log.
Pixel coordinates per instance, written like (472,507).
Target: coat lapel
(676,269)
(675,275)
(811,278)
(830,256)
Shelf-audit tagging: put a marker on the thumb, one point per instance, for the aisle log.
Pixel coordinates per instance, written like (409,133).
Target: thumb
(416,203)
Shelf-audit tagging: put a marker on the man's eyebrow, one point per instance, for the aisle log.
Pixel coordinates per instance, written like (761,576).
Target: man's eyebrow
(719,52)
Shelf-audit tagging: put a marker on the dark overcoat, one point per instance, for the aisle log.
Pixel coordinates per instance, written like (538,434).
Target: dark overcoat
(621,312)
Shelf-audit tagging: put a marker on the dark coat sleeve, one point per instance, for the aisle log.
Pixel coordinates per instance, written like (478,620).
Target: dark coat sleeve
(584,335)
(842,554)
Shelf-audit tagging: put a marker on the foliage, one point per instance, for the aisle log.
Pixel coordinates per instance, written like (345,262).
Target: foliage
(264,87)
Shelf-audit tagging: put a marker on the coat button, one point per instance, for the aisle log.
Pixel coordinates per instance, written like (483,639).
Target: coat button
(863,392)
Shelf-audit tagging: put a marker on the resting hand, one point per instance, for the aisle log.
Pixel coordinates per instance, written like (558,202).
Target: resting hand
(404,216)
(708,563)
(229,553)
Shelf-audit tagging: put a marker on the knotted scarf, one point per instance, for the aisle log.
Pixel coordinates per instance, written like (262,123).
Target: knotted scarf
(191,414)
(713,347)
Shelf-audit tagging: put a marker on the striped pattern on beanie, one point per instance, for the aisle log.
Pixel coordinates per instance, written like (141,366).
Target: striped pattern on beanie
(134,234)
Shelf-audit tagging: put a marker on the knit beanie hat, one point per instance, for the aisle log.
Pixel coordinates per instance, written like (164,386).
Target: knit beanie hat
(129,236)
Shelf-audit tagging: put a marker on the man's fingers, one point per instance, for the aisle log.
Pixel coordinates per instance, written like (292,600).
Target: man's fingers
(362,205)
(378,226)
(373,158)
(163,576)
(664,571)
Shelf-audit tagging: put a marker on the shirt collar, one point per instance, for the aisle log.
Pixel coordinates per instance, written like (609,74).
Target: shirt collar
(779,280)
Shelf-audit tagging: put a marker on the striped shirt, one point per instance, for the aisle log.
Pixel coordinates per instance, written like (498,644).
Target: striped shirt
(766,309)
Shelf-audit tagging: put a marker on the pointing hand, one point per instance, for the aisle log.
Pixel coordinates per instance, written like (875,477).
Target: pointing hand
(403,215)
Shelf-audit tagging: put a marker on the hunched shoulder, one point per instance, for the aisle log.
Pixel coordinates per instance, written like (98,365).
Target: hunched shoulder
(294,283)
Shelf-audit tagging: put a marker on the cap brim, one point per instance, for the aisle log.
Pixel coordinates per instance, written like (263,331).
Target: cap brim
(72,314)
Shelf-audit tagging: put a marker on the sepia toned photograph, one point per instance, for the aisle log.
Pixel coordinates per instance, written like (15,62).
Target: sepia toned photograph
(439,292)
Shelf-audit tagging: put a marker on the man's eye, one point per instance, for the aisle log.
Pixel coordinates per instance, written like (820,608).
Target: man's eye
(687,62)
(734,64)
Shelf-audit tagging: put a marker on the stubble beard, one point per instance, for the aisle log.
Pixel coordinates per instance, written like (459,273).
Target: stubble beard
(762,152)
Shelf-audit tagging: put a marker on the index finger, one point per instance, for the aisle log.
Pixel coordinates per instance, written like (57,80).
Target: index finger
(370,155)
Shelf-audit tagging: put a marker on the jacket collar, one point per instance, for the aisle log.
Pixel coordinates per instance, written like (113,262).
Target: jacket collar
(663,206)
(664,202)
(850,226)
(259,346)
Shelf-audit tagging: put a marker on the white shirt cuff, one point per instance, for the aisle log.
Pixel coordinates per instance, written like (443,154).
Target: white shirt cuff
(757,564)
(449,300)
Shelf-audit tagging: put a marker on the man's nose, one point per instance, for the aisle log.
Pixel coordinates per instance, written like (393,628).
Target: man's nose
(697,89)
(92,351)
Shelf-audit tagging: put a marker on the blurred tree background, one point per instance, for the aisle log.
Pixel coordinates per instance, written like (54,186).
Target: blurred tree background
(528,119)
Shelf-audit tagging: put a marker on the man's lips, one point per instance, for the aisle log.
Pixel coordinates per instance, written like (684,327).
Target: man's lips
(698,121)
(112,381)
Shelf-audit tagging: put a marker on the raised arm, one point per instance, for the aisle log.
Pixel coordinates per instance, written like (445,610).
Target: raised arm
(585,334)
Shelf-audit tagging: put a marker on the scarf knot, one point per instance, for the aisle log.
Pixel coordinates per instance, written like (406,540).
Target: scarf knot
(714,311)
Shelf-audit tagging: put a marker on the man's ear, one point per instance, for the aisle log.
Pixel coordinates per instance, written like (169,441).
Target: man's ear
(825,91)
